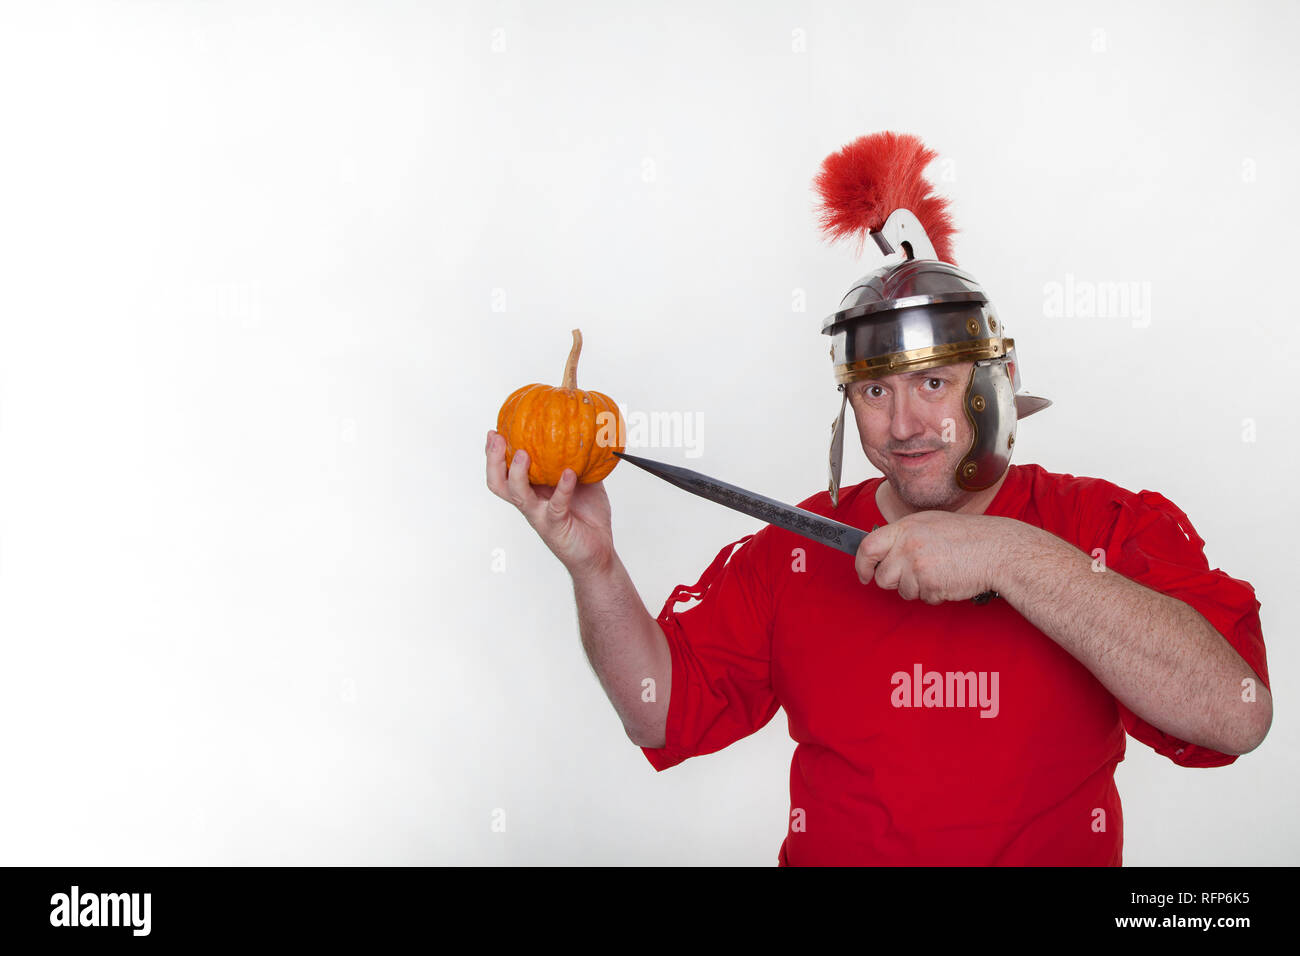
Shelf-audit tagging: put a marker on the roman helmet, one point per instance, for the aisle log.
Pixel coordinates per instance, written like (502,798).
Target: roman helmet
(918,310)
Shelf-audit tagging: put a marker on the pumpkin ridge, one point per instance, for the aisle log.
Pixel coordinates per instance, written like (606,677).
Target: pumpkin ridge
(528,433)
(586,442)
(505,417)
(516,415)
(560,413)
(603,460)
(539,435)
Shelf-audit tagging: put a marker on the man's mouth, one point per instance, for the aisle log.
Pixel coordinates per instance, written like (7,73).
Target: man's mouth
(915,457)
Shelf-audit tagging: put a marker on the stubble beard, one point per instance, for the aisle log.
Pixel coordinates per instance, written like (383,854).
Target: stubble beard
(935,490)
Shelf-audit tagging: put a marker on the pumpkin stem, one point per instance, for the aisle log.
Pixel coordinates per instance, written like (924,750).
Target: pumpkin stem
(571,366)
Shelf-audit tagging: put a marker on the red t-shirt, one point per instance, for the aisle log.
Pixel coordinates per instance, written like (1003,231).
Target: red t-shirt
(1009,760)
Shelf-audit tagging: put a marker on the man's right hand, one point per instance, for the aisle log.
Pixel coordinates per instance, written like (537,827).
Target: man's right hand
(572,519)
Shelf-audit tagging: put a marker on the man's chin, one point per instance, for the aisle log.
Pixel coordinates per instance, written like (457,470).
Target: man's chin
(932,503)
(925,495)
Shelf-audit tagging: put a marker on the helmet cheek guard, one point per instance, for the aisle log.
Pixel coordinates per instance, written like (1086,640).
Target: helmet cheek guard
(990,408)
(917,311)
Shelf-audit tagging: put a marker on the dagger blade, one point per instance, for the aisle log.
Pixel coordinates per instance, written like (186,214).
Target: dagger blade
(833,534)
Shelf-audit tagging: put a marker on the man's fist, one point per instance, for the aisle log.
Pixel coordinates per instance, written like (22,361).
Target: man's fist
(936,556)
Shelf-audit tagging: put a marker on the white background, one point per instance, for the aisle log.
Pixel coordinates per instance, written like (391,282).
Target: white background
(268,270)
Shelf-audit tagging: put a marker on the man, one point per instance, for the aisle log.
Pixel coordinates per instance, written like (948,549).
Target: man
(930,729)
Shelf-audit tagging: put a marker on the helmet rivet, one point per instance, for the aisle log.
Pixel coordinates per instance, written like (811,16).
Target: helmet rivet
(968,469)
(993,324)
(972,326)
(1011,440)
(977,403)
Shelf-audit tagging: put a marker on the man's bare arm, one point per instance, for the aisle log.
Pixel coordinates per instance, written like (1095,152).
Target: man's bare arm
(624,644)
(1156,654)
(626,648)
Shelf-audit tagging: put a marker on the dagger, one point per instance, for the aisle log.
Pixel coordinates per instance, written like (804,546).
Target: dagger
(815,527)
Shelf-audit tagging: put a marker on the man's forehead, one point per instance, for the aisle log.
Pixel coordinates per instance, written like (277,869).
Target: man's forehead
(948,371)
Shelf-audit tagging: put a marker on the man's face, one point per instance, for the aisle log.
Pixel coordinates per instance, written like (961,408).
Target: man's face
(914,430)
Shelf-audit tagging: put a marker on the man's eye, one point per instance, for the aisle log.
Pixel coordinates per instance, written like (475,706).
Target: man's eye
(936,383)
(871,390)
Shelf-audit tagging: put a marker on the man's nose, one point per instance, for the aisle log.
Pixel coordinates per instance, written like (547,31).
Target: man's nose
(904,421)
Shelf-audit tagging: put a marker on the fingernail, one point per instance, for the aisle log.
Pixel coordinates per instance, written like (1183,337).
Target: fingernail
(519,458)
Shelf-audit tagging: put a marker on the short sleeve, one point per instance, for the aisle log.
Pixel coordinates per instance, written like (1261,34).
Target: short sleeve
(1148,539)
(721,656)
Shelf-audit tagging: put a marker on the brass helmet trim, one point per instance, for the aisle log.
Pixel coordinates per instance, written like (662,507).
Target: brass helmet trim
(934,356)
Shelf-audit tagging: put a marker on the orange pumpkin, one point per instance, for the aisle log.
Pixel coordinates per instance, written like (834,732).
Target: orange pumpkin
(563,427)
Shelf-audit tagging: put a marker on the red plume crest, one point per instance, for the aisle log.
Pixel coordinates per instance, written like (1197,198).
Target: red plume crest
(871,177)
